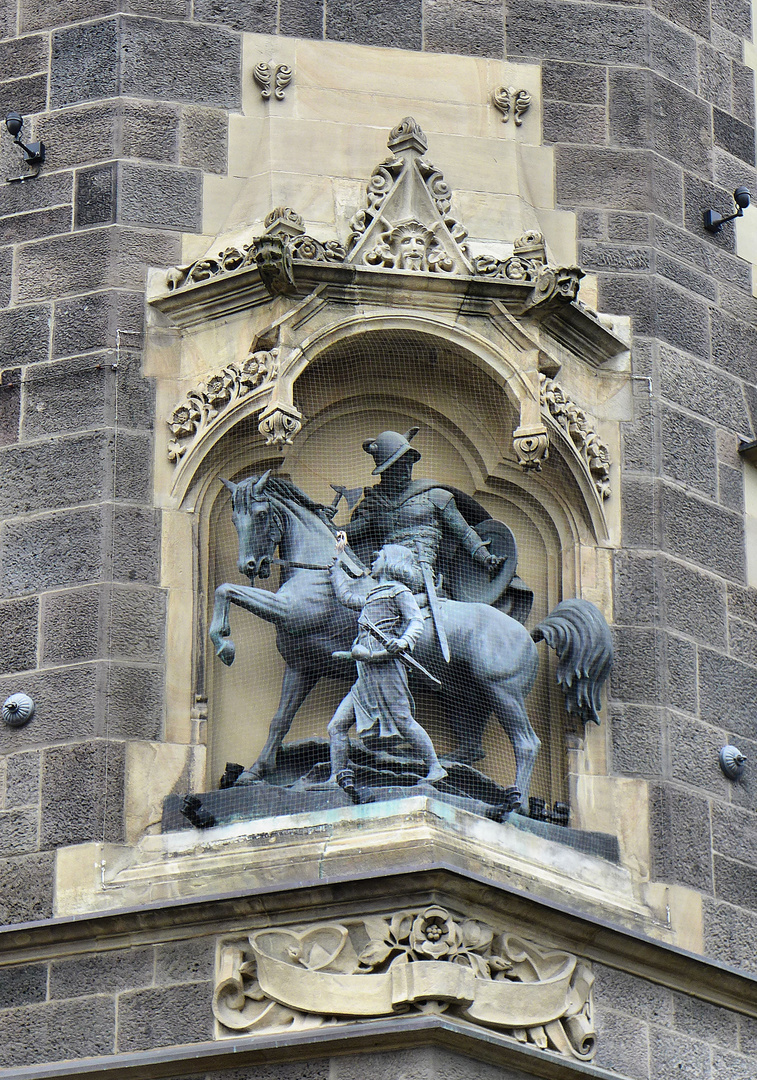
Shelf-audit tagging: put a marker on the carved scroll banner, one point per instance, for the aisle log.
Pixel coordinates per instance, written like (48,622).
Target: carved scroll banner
(415,960)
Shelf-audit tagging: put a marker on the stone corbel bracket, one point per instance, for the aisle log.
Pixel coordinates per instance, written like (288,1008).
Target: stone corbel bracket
(413,961)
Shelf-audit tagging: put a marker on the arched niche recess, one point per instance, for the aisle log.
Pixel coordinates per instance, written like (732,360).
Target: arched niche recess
(354,387)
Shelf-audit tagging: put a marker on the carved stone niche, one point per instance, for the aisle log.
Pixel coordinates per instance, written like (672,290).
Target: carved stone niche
(418,960)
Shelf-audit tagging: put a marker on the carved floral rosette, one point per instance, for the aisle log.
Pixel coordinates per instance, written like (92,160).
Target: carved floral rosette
(420,960)
(202,405)
(576,424)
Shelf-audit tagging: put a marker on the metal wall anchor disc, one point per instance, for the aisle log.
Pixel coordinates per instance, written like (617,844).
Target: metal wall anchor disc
(18,710)
(732,762)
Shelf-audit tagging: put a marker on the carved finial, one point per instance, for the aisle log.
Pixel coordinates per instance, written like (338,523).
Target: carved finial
(530,246)
(407,135)
(284,221)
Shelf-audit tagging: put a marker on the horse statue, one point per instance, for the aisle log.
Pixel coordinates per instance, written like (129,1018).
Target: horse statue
(493,658)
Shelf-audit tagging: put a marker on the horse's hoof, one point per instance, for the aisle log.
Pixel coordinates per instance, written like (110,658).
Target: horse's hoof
(346,781)
(249,776)
(227,652)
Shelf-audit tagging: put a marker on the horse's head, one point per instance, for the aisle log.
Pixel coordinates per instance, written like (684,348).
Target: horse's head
(258,524)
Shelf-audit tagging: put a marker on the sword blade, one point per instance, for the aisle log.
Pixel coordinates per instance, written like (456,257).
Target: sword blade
(436,615)
(403,657)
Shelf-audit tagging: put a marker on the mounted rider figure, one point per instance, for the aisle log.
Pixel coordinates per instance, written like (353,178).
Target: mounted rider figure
(438,524)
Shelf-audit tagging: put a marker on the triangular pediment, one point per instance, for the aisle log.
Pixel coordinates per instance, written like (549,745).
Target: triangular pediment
(406,223)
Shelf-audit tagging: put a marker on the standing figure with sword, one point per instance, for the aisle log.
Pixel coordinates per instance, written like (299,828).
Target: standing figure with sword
(389,625)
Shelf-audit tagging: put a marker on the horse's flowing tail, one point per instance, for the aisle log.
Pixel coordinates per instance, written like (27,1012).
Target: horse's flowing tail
(578,633)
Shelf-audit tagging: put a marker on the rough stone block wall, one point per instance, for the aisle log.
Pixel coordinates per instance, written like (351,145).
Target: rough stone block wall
(651,111)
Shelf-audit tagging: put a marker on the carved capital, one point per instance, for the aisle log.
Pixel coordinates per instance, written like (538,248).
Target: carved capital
(279,424)
(415,960)
(532,446)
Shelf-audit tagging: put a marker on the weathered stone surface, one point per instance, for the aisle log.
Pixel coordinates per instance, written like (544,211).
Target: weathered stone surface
(714,82)
(612,178)
(84,62)
(673,53)
(82,793)
(694,603)
(83,323)
(688,451)
(694,750)
(470,27)
(624,1047)
(636,296)
(640,520)
(22,779)
(672,1055)
(727,690)
(731,488)
(51,551)
(693,14)
(707,258)
(372,23)
(729,935)
(637,741)
(133,467)
(734,1066)
(33,476)
(667,188)
(742,92)
(135,705)
(178,62)
(623,992)
(6,276)
(185,961)
(66,706)
(685,276)
(83,1027)
(23,985)
(301,18)
(735,881)
(163,197)
(71,625)
(18,634)
(137,623)
(682,320)
(585,83)
(17,228)
(136,545)
(114,970)
(633,228)
(150,130)
(699,1018)
(24,55)
(47,190)
(168,1016)
(679,679)
(31,90)
(635,674)
(95,199)
(72,394)
(588,32)
(702,533)
(203,139)
(733,135)
(38,15)
(19,831)
(26,891)
(743,602)
(615,258)
(630,121)
(78,136)
(24,334)
(637,589)
(254,16)
(680,834)
(136,395)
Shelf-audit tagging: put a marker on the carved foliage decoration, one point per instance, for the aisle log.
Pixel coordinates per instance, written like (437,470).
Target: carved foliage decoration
(198,411)
(576,424)
(269,81)
(511,101)
(528,265)
(416,960)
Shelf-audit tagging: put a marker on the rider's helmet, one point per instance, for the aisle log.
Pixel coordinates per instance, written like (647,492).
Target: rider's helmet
(389,447)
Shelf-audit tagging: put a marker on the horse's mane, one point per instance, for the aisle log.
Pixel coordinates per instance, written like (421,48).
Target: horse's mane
(281,489)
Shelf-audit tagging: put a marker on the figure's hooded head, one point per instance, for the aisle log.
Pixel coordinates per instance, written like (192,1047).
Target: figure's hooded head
(389,447)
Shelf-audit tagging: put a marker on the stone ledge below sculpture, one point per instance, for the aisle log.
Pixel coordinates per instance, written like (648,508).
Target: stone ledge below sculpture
(425,960)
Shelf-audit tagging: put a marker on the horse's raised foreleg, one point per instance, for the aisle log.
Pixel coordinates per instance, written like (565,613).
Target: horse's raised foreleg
(258,601)
(295,687)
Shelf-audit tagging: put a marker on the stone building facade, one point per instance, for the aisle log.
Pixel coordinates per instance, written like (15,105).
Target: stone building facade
(123,948)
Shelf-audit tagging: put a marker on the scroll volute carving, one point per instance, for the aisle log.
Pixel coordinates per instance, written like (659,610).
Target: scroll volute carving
(415,960)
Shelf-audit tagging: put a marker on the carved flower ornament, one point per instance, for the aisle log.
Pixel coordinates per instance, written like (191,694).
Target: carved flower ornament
(423,961)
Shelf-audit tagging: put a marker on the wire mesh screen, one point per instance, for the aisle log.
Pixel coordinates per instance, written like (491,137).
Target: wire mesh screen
(374,383)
